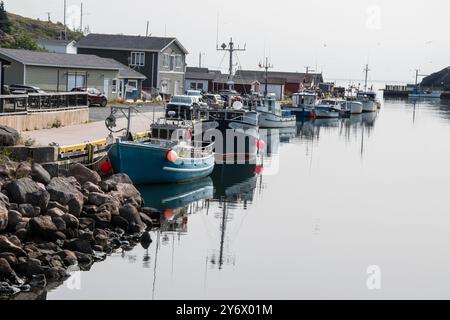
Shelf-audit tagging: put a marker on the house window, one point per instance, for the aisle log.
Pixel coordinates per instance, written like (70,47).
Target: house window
(200,86)
(179,61)
(75,81)
(172,63)
(114,86)
(166,60)
(137,59)
(193,85)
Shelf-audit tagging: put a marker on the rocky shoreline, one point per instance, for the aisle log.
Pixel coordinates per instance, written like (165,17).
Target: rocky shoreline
(49,224)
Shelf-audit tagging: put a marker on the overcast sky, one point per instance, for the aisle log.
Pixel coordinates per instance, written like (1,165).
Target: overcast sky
(336,37)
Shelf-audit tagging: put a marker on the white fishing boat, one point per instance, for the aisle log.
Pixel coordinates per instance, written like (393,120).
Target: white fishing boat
(368,98)
(272,116)
(352,107)
(328,108)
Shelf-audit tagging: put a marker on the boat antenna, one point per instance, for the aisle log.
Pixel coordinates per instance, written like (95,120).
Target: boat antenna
(266,66)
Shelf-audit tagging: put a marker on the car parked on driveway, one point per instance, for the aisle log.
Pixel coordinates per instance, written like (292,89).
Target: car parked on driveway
(95,97)
(22,89)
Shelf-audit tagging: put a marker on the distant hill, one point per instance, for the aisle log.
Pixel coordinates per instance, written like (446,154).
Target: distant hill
(438,80)
(24,30)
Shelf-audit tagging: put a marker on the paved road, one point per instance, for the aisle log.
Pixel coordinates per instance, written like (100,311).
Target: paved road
(100,114)
(94,130)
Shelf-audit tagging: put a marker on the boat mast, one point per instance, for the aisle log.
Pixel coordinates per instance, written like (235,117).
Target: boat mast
(231,49)
(366,69)
(266,67)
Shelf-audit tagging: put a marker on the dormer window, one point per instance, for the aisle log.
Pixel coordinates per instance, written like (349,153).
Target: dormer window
(137,59)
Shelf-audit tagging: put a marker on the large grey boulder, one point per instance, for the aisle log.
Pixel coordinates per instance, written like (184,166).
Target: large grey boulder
(8,136)
(44,228)
(83,174)
(26,190)
(64,192)
(3,216)
(7,246)
(39,174)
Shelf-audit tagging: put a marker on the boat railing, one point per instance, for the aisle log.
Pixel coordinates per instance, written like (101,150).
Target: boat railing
(242,118)
(196,150)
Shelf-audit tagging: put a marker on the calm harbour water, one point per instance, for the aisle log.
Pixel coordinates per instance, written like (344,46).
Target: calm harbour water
(332,200)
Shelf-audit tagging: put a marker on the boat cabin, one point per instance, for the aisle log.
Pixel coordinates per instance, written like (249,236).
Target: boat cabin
(304,99)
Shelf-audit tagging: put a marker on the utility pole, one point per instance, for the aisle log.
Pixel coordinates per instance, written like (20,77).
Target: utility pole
(146,32)
(65,25)
(48,16)
(200,60)
(81,17)
(266,67)
(231,49)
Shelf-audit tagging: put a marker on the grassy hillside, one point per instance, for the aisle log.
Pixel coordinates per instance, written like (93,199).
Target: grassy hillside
(24,29)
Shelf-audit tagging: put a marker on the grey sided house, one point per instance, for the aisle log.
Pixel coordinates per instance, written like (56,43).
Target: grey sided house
(160,59)
(61,72)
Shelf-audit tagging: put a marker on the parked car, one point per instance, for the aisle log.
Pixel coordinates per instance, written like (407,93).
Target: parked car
(22,89)
(182,107)
(6,90)
(228,95)
(214,100)
(95,97)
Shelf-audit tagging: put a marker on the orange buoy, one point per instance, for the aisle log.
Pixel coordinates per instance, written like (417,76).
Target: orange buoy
(171,156)
(168,214)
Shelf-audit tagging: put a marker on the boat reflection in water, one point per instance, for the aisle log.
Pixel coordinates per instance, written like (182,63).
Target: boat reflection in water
(234,188)
(177,201)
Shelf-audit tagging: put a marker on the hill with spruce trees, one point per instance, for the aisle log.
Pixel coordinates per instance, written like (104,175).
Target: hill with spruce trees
(19,32)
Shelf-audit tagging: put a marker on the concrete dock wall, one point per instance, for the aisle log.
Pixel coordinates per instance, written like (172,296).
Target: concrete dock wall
(44,120)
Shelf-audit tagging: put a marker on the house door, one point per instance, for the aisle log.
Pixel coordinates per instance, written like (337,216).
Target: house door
(121,88)
(106,87)
(175,88)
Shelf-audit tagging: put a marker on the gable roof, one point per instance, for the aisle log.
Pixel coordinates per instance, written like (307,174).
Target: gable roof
(127,42)
(195,73)
(53,42)
(293,77)
(126,72)
(223,78)
(61,60)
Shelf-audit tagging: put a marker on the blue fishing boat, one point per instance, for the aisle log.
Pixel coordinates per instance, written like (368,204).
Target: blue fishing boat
(156,160)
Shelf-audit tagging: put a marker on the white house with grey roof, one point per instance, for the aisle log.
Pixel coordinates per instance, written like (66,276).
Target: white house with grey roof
(161,59)
(57,46)
(60,72)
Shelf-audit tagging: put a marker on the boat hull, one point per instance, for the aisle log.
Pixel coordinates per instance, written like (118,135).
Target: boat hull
(434,95)
(301,113)
(270,120)
(146,164)
(326,113)
(369,106)
(234,141)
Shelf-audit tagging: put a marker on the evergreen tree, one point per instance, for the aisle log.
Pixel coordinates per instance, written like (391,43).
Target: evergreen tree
(5,24)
